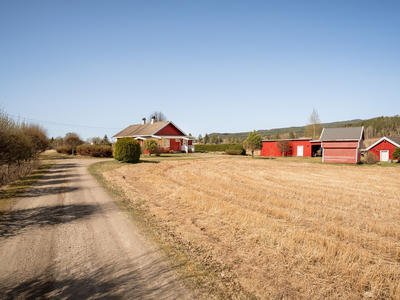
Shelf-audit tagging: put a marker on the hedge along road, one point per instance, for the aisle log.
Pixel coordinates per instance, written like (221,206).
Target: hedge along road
(66,239)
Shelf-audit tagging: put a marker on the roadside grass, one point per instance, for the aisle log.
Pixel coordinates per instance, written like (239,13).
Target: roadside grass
(10,192)
(193,263)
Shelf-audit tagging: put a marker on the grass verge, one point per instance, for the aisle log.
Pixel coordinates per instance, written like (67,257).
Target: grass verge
(9,193)
(193,263)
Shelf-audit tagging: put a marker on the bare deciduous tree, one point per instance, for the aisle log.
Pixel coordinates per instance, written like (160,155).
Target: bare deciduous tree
(72,140)
(314,127)
(160,117)
(284,146)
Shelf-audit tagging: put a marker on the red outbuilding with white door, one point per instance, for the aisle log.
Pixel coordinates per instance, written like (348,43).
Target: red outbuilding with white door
(297,147)
(384,148)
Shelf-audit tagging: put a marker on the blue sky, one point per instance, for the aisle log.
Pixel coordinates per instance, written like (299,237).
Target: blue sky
(209,66)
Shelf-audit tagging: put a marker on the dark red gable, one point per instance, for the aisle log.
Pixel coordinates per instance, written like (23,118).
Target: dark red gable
(169,130)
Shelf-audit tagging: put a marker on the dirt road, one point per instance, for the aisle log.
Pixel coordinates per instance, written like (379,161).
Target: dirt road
(66,239)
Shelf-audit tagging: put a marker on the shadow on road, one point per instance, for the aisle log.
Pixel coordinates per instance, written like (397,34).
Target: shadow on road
(117,279)
(27,219)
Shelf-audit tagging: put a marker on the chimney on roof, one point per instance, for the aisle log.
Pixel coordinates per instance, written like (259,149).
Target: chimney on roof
(143,121)
(153,119)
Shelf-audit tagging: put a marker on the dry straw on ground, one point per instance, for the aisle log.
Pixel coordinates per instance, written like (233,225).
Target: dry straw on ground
(288,230)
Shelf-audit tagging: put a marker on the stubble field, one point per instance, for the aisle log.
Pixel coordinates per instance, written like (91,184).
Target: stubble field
(285,229)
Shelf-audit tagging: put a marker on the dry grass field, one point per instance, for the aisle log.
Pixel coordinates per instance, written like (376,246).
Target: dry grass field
(286,230)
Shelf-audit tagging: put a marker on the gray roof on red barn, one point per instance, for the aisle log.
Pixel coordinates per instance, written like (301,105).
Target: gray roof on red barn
(395,139)
(342,134)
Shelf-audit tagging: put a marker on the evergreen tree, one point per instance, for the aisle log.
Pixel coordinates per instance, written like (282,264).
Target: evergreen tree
(200,139)
(253,142)
(206,139)
(105,140)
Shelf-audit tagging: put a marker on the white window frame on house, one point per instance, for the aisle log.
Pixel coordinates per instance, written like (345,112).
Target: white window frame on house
(165,143)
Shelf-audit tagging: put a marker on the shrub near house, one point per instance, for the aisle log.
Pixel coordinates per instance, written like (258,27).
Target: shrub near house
(95,150)
(128,150)
(396,154)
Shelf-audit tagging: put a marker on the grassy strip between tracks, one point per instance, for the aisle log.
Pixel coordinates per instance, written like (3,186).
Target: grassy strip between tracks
(199,272)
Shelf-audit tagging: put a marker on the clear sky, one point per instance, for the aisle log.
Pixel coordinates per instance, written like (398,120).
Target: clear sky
(209,66)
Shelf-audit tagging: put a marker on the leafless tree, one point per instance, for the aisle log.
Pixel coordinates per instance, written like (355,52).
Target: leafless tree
(72,140)
(284,146)
(314,127)
(160,117)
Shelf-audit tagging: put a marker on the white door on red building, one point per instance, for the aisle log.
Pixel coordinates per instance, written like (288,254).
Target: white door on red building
(384,155)
(299,150)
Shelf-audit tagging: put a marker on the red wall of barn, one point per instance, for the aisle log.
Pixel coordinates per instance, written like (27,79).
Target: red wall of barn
(341,152)
(344,144)
(169,130)
(270,148)
(384,145)
(306,148)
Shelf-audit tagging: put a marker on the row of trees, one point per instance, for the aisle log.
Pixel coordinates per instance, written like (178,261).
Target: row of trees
(215,139)
(381,126)
(20,145)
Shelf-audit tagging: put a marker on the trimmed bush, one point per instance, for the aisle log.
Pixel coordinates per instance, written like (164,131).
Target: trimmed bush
(128,150)
(94,150)
(219,148)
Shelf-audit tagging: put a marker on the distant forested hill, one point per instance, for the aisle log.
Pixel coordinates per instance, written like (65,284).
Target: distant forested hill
(376,127)
(379,127)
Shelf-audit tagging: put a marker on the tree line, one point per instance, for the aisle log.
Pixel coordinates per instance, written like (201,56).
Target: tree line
(20,146)
(379,127)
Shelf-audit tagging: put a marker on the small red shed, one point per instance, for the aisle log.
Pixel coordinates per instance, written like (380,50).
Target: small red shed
(170,137)
(298,147)
(342,145)
(384,147)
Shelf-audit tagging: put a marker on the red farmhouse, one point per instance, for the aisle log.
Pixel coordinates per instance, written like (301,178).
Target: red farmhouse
(342,145)
(298,147)
(384,147)
(169,136)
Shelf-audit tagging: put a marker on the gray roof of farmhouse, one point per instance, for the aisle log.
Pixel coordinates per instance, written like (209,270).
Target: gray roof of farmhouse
(342,134)
(141,130)
(147,129)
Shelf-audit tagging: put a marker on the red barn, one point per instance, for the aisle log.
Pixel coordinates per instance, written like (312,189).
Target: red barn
(342,145)
(298,147)
(384,147)
(169,136)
